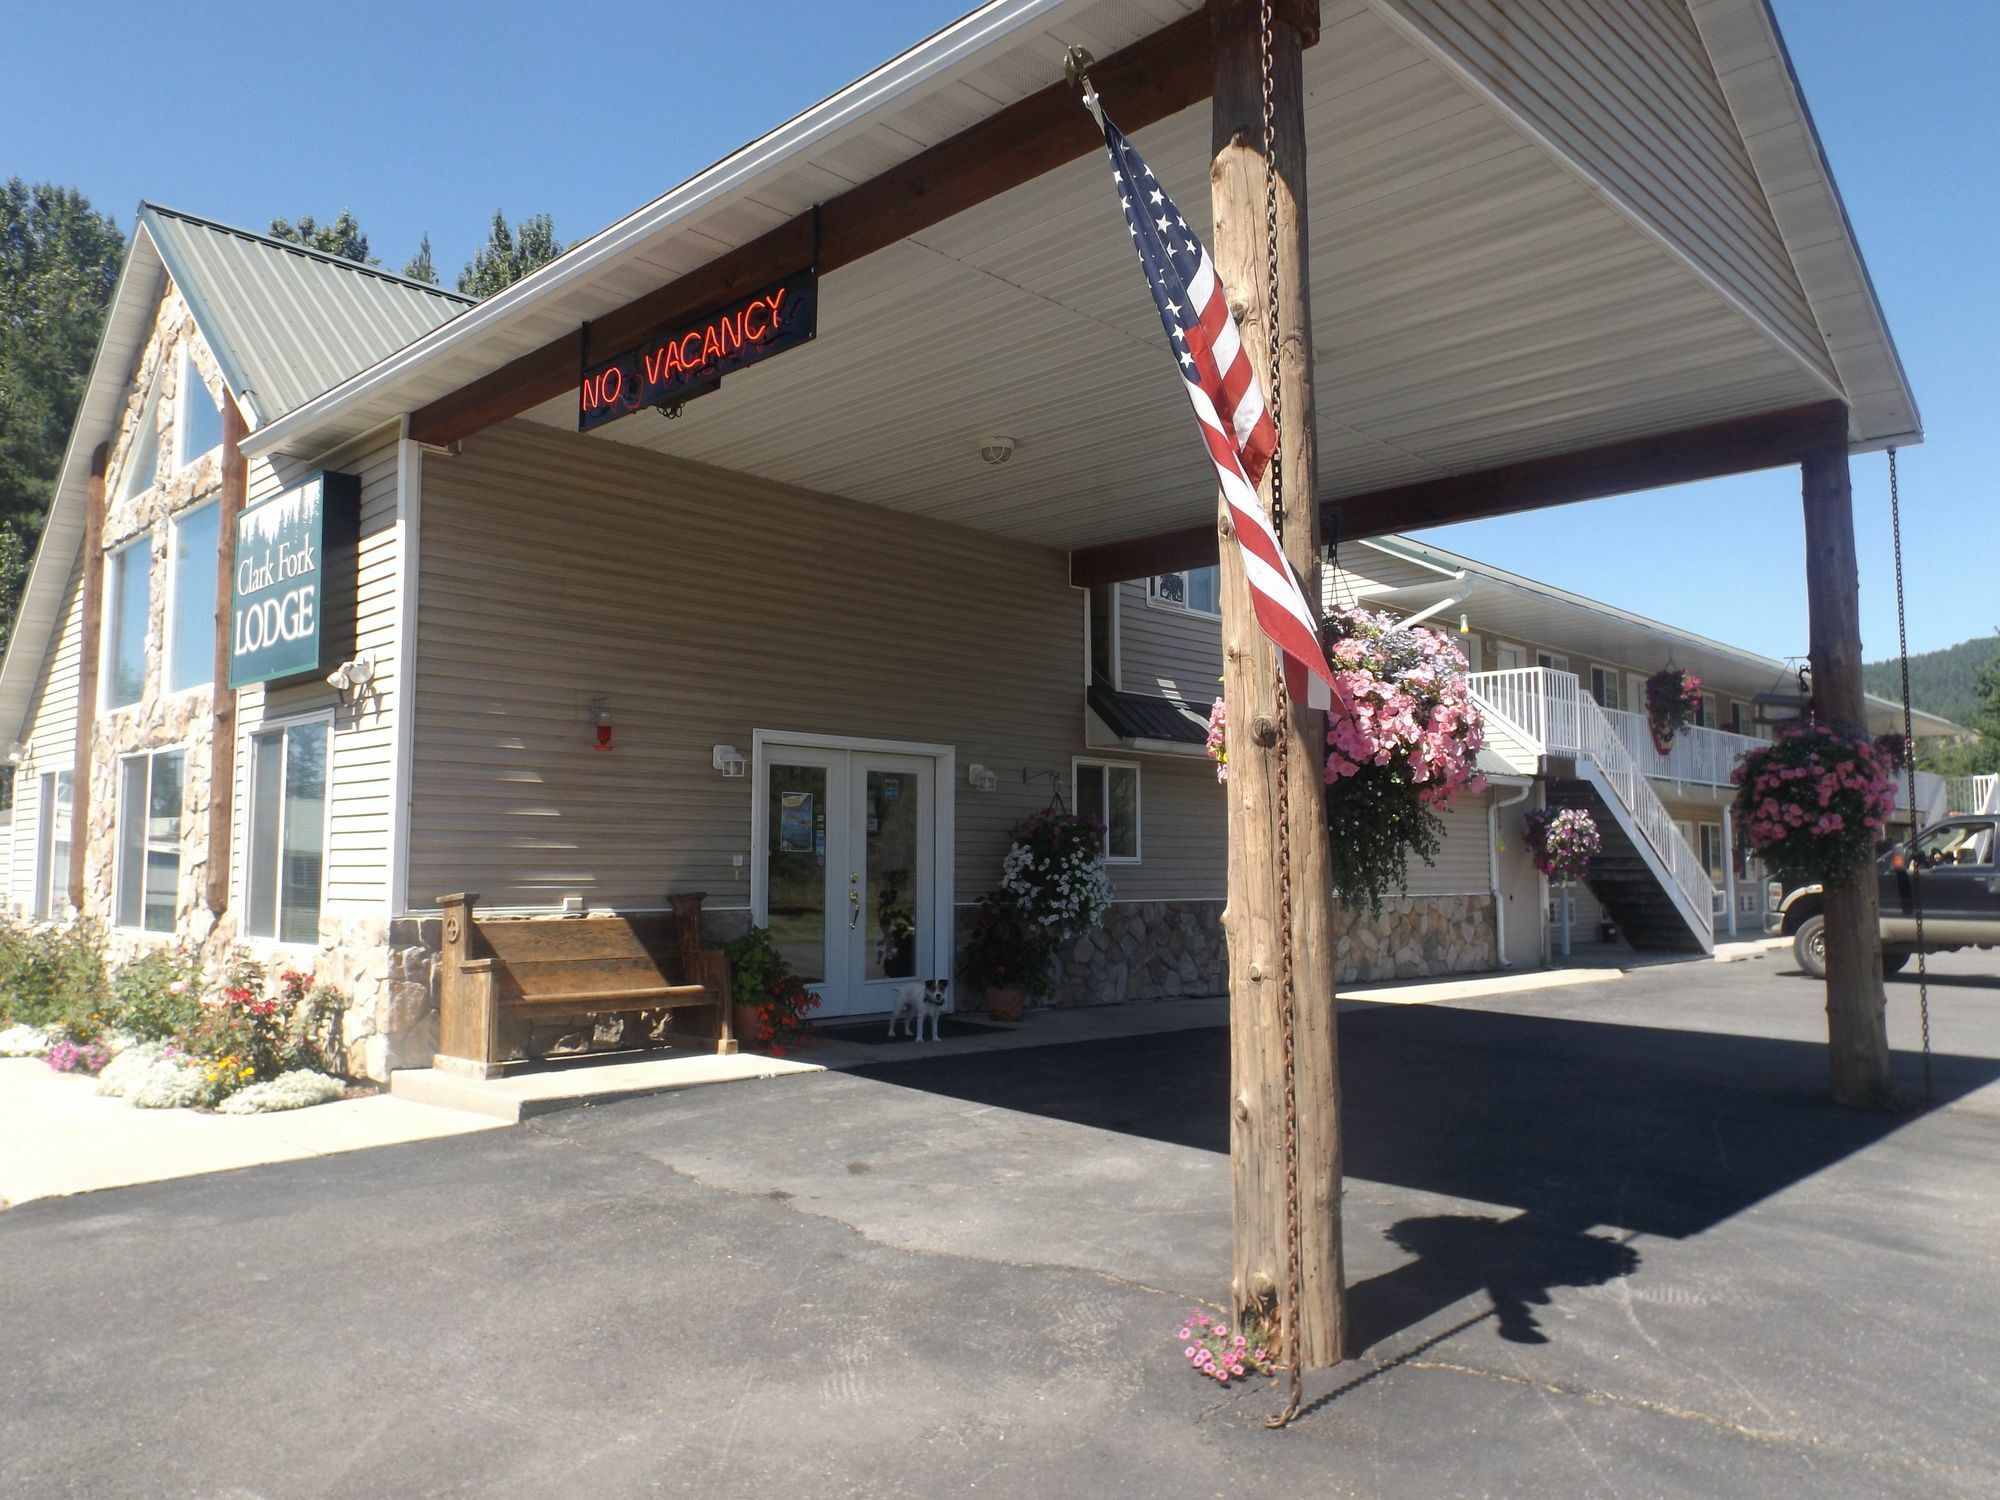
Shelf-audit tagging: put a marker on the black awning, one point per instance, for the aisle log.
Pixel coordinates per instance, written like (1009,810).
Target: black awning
(1147,716)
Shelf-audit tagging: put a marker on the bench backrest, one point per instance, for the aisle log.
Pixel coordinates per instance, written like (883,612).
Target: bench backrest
(581,955)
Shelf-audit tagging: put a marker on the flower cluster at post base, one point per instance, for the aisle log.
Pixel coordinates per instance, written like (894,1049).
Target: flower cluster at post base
(1213,1351)
(1562,840)
(783,1005)
(1673,701)
(1815,800)
(1218,739)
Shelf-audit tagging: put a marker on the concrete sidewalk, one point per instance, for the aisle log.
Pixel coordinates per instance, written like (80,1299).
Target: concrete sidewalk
(58,1136)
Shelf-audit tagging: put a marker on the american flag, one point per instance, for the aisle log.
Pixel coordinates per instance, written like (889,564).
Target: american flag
(1235,423)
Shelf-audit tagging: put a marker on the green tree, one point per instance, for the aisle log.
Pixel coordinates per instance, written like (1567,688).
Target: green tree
(59,261)
(1979,755)
(343,237)
(420,267)
(508,255)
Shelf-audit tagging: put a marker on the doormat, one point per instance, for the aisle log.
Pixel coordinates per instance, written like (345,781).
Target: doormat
(876,1033)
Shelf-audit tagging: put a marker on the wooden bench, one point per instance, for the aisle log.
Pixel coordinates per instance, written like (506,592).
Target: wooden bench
(534,968)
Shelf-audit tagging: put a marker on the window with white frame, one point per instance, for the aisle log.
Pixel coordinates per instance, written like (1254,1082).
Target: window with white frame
(1108,791)
(142,458)
(149,840)
(1604,686)
(286,874)
(1711,851)
(131,568)
(1197,590)
(191,571)
(1548,661)
(197,419)
(52,856)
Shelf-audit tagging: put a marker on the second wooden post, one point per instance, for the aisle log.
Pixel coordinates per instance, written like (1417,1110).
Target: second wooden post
(1256,1140)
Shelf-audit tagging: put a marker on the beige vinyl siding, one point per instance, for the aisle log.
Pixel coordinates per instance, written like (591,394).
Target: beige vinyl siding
(1628,93)
(1363,570)
(1464,864)
(704,605)
(50,739)
(1169,651)
(361,778)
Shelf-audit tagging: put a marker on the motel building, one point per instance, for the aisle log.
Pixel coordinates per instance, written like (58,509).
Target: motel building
(793,538)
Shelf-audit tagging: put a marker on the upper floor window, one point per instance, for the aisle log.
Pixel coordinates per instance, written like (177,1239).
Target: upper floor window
(142,458)
(1109,792)
(131,610)
(191,598)
(198,420)
(1198,590)
(1604,686)
(1548,661)
(149,840)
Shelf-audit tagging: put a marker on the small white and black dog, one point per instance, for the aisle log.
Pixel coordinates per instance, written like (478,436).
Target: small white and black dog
(917,1002)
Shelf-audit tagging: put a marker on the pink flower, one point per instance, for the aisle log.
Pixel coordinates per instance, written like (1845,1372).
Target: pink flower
(178,987)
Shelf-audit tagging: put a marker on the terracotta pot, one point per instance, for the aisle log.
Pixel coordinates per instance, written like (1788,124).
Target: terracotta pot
(743,1020)
(1663,740)
(1005,1002)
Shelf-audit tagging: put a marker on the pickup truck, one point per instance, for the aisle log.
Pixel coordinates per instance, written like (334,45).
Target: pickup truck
(1953,860)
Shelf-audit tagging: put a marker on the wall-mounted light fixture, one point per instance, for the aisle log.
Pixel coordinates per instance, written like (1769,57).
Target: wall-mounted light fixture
(16,753)
(600,719)
(353,679)
(1464,625)
(996,450)
(728,760)
(981,778)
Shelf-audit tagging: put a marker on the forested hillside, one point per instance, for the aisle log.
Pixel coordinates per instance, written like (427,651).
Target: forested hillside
(1941,682)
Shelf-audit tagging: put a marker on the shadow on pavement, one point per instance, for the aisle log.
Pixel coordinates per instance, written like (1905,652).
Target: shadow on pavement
(1579,1126)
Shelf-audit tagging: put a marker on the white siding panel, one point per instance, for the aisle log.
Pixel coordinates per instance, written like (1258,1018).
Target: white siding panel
(703,606)
(50,739)
(1463,865)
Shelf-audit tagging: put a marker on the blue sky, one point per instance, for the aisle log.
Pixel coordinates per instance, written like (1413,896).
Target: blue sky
(426,118)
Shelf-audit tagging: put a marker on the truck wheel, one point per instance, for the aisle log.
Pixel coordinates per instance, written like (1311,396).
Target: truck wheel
(1895,963)
(1809,947)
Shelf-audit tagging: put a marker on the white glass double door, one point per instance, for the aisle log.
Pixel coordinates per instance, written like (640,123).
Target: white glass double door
(846,869)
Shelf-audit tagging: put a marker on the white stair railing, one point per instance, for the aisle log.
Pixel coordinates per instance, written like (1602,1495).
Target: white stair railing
(1972,794)
(1551,710)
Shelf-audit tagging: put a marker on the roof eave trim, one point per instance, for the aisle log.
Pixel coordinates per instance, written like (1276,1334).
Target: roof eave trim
(233,373)
(934,56)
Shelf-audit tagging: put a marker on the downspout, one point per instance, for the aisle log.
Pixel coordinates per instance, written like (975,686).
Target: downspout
(1493,870)
(1466,584)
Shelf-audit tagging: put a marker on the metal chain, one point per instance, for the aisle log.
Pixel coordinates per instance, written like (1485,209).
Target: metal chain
(1288,1310)
(1910,777)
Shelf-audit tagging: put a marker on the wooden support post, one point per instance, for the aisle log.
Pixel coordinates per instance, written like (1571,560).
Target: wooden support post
(222,716)
(86,676)
(1857,1033)
(1256,1138)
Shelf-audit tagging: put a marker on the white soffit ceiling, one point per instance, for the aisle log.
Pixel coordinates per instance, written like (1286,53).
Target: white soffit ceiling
(1474,303)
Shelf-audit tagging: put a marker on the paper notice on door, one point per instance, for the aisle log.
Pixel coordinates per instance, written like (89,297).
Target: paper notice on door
(795,822)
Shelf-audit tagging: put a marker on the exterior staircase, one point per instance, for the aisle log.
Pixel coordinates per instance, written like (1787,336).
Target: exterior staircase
(1646,876)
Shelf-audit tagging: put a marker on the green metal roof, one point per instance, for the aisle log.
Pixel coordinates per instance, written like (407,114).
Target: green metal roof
(286,323)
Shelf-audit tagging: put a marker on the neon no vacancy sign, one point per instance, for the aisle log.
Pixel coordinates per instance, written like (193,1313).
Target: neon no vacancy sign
(695,354)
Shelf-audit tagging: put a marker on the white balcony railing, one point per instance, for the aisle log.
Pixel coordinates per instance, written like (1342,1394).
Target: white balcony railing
(1972,794)
(1540,712)
(1699,757)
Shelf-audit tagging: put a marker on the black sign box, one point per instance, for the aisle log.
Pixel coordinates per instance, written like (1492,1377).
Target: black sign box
(698,352)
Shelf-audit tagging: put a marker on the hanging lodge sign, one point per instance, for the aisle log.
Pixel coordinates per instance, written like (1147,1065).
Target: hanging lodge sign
(691,359)
(291,605)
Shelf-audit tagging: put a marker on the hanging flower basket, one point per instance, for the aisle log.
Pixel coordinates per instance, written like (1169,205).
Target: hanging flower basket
(1673,700)
(1403,741)
(1897,748)
(1055,874)
(1815,800)
(1563,841)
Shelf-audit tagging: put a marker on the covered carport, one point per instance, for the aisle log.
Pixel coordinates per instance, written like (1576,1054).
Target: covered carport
(1556,251)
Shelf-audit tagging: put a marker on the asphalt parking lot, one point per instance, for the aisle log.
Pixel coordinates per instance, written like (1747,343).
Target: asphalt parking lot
(1606,1239)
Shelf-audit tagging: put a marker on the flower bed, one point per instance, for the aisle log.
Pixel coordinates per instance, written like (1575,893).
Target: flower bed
(162,1031)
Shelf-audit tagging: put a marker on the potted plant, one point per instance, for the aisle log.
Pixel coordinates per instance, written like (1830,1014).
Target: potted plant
(1673,699)
(1004,956)
(771,1005)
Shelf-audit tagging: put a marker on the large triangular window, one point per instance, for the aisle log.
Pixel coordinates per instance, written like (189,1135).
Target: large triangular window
(198,419)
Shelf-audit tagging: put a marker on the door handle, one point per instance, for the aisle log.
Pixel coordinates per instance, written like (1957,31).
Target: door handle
(853,910)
